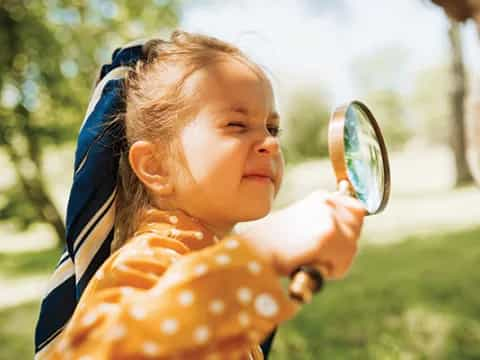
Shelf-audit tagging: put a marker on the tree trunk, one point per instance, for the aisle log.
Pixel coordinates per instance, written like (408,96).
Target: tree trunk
(33,184)
(457,97)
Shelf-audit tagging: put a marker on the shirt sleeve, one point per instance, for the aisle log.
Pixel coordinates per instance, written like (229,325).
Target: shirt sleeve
(155,299)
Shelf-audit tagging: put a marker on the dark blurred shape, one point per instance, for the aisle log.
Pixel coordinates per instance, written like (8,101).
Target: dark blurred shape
(457,99)
(459,10)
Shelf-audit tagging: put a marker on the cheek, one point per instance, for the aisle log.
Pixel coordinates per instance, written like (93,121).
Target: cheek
(211,158)
(281,171)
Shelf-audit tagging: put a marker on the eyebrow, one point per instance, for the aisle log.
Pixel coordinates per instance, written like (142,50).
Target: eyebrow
(244,111)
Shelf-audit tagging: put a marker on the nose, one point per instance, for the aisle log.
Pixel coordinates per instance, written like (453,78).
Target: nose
(268,145)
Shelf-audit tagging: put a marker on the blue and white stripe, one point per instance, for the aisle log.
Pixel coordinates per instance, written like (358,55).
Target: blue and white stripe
(91,204)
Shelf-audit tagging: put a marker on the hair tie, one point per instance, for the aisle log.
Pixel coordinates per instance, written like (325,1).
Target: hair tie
(91,204)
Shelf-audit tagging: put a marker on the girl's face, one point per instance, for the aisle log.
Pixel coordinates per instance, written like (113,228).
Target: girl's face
(232,133)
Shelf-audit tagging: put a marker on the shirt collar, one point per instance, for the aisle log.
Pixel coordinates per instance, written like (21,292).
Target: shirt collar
(176,224)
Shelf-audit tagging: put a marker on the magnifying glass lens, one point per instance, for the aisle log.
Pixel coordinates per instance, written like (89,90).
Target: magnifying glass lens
(363,158)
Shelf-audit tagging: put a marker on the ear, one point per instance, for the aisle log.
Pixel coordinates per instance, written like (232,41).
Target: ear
(145,162)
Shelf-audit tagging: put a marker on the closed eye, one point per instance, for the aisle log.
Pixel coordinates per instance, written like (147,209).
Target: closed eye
(236,124)
(274,130)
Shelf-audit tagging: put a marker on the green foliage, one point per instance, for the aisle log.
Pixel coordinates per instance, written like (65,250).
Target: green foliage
(378,77)
(15,206)
(430,105)
(390,112)
(53,53)
(381,69)
(28,262)
(306,127)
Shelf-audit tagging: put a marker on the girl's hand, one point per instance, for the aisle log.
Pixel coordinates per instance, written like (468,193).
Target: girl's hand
(322,228)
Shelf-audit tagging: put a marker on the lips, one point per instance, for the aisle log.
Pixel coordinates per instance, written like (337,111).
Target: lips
(261,174)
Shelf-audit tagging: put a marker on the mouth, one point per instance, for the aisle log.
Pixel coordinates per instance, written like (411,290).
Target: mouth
(260,178)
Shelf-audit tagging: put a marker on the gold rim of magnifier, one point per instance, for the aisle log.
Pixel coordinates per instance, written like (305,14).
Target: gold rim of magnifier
(336,148)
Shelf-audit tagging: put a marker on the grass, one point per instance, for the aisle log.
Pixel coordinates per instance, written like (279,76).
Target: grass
(16,331)
(417,299)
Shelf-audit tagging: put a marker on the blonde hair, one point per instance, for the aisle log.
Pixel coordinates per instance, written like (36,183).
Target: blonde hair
(156,108)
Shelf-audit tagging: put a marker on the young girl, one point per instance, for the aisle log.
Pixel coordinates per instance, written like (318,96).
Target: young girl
(192,150)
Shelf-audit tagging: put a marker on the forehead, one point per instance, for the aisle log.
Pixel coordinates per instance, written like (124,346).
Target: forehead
(230,83)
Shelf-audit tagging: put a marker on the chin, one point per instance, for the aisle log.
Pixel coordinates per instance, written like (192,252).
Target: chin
(254,212)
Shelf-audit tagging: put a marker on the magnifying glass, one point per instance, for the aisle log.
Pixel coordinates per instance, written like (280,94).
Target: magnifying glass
(360,161)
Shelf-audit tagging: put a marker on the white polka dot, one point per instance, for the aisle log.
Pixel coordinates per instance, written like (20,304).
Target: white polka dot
(231,244)
(148,252)
(175,232)
(201,334)
(131,252)
(118,332)
(122,267)
(138,313)
(199,235)
(63,345)
(216,306)
(200,269)
(127,291)
(106,308)
(243,319)
(173,219)
(186,298)
(169,326)
(244,295)
(150,348)
(266,305)
(100,274)
(90,318)
(254,267)
(223,259)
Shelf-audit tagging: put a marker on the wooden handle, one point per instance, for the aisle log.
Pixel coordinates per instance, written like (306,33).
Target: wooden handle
(309,279)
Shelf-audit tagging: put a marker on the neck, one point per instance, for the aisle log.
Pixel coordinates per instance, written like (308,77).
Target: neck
(219,230)
(216,228)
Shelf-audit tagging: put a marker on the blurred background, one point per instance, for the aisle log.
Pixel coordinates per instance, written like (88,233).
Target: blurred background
(413,291)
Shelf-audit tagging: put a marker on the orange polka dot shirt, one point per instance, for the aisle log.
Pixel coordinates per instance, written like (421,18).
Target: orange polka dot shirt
(176,291)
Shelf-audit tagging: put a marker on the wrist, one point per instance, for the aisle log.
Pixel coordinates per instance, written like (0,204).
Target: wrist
(259,249)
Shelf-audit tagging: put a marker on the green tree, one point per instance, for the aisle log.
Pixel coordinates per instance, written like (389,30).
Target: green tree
(378,77)
(52,51)
(306,127)
(389,110)
(428,105)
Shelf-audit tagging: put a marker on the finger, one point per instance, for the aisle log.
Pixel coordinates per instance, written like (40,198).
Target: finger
(326,268)
(349,202)
(355,214)
(348,218)
(345,223)
(339,249)
(344,187)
